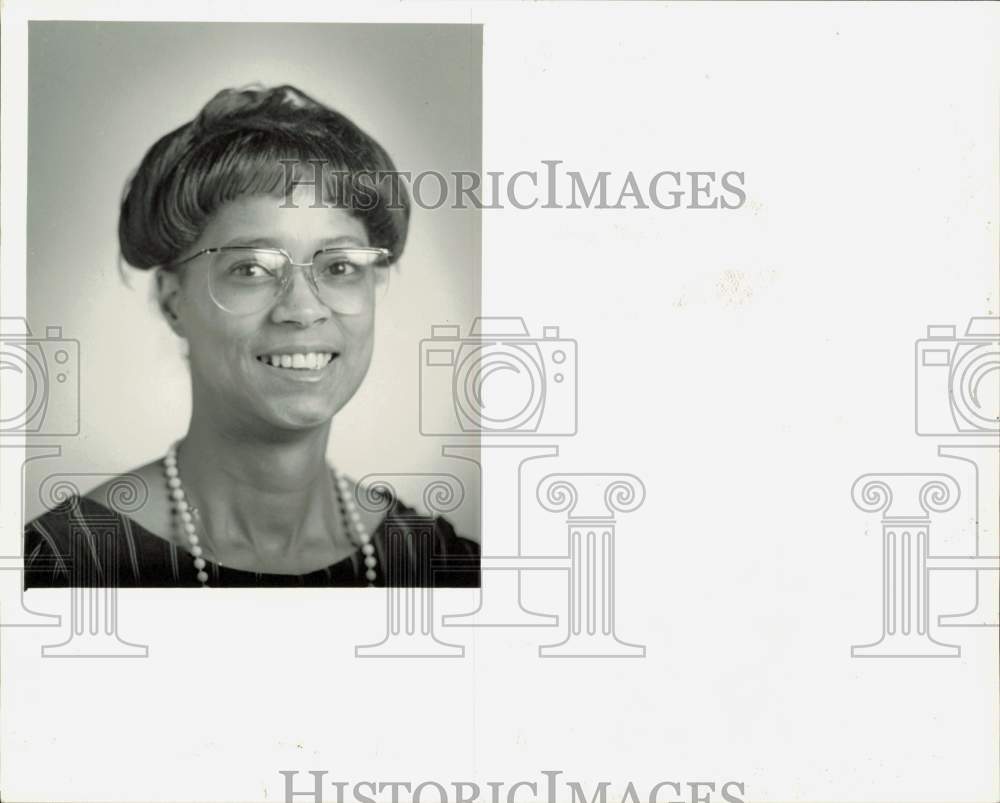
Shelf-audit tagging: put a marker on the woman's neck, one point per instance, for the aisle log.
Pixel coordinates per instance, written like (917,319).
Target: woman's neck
(271,499)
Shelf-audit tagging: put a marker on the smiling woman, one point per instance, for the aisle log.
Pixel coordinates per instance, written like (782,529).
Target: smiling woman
(275,296)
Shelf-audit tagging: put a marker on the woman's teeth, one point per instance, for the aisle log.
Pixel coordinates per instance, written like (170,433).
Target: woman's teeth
(302,362)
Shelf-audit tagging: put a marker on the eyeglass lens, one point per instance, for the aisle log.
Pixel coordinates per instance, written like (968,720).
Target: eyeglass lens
(249,280)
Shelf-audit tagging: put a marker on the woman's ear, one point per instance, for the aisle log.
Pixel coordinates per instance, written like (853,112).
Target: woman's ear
(168,289)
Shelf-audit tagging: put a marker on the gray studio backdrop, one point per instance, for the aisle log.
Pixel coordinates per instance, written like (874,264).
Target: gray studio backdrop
(100,93)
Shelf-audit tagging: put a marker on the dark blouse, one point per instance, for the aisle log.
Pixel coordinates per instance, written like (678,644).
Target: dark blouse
(82,543)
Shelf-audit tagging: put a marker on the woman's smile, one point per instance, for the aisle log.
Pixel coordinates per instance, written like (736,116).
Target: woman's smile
(309,361)
(299,366)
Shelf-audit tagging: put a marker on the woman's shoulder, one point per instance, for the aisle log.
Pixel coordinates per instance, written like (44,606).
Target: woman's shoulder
(421,550)
(139,494)
(47,536)
(68,511)
(82,532)
(393,513)
(69,542)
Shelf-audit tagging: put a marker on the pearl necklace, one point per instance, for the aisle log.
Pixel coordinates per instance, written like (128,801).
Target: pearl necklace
(186,514)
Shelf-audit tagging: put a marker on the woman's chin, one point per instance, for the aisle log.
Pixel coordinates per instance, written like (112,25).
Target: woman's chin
(300,416)
(305,411)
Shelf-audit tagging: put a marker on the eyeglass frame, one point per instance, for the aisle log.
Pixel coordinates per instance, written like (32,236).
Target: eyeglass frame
(385,252)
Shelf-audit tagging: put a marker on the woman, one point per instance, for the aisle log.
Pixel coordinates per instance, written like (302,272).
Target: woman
(271,276)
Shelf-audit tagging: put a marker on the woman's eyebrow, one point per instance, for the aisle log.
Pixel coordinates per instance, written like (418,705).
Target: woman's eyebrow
(270,242)
(346,239)
(255,242)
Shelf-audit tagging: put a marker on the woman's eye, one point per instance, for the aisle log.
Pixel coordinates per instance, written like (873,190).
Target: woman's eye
(249,270)
(339,269)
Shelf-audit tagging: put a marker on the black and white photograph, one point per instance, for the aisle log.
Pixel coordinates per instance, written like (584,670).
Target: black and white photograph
(266,245)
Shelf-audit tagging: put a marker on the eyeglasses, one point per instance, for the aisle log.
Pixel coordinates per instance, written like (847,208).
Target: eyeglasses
(244,280)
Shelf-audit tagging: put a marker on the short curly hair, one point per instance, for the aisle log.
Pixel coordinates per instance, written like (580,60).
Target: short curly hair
(241,143)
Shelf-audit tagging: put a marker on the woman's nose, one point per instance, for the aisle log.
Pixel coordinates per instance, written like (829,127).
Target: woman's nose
(298,301)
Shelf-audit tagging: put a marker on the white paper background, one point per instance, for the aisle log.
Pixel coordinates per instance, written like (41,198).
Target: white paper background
(747,365)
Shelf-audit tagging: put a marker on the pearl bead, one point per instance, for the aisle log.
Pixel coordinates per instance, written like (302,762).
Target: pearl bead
(188,514)
(175,490)
(354,521)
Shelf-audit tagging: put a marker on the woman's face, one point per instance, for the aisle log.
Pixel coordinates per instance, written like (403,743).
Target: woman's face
(230,382)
